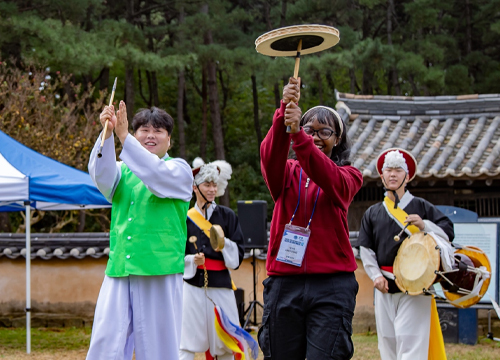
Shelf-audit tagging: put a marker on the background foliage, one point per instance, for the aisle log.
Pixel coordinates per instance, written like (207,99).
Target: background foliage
(196,59)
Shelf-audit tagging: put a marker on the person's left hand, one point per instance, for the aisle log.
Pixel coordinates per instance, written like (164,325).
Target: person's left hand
(293,115)
(121,128)
(199,259)
(416,220)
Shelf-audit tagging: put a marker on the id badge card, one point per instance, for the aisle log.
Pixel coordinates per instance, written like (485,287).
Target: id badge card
(293,245)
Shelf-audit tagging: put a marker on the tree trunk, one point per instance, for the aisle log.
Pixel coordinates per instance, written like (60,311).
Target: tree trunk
(329,81)
(256,122)
(5,225)
(352,75)
(283,13)
(181,84)
(81,221)
(267,15)
(180,114)
(320,88)
(154,89)
(129,91)
(104,81)
(147,101)
(68,89)
(416,92)
(213,98)
(468,35)
(393,71)
(367,82)
(204,106)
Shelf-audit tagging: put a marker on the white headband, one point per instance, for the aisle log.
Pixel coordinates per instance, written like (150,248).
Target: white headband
(339,119)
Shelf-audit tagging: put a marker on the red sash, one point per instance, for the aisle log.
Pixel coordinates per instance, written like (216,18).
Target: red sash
(214,265)
(387,268)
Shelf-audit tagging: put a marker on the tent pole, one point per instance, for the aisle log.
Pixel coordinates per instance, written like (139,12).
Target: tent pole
(28,277)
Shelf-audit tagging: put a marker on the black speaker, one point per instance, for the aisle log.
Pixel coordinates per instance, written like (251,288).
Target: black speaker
(239,294)
(253,221)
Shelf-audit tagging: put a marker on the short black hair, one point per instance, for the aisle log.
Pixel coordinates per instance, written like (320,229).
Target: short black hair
(155,117)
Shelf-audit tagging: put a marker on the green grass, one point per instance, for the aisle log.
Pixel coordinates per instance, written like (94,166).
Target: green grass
(45,338)
(72,343)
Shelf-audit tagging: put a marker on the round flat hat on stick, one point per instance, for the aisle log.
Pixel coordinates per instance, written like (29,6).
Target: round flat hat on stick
(295,41)
(284,41)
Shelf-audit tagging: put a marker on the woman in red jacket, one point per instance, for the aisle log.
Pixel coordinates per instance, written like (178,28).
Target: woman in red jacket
(310,294)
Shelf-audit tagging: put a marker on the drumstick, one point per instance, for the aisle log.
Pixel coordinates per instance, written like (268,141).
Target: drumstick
(192,240)
(99,154)
(397,237)
(296,73)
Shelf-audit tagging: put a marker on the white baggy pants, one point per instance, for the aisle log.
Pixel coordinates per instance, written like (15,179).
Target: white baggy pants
(403,325)
(138,312)
(198,329)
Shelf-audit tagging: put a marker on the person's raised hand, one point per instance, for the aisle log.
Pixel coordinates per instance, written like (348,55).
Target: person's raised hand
(381,284)
(121,128)
(293,115)
(291,92)
(108,114)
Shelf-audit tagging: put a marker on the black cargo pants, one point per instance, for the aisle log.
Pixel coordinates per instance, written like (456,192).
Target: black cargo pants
(308,316)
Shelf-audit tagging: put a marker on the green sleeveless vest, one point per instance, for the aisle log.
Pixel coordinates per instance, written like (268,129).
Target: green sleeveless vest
(148,234)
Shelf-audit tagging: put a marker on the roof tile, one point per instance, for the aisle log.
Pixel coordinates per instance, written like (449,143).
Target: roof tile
(450,136)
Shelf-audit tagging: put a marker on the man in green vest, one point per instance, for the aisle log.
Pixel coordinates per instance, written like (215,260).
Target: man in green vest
(140,302)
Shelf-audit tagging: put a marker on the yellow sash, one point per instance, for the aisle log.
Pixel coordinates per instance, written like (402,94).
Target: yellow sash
(205,226)
(200,221)
(436,341)
(399,214)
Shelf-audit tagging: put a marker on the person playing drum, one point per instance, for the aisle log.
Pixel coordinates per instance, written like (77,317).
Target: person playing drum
(403,321)
(198,331)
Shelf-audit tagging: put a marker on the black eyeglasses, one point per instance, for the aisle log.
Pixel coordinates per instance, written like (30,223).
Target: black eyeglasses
(323,134)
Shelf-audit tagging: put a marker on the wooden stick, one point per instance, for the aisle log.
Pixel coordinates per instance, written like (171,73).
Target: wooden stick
(296,73)
(398,236)
(297,60)
(99,153)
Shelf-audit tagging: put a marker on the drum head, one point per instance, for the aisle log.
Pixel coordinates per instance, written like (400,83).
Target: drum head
(416,263)
(479,258)
(284,41)
(217,240)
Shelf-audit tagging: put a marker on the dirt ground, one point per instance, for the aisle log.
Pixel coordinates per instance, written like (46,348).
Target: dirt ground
(365,349)
(62,355)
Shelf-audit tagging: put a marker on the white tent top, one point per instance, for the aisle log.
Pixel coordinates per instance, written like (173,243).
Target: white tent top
(26,175)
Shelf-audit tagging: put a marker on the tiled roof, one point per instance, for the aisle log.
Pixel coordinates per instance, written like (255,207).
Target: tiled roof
(60,245)
(450,136)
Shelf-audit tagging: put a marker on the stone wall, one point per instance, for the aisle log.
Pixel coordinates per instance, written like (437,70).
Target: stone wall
(64,293)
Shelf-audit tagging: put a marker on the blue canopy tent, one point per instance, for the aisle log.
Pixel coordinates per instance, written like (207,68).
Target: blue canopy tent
(29,180)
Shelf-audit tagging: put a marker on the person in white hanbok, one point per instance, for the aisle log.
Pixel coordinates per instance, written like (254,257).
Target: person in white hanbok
(403,321)
(198,329)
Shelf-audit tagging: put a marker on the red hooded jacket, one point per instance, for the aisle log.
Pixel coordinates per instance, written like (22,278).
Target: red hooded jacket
(329,249)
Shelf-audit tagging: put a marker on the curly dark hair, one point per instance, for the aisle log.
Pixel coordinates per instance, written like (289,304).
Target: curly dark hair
(342,152)
(155,117)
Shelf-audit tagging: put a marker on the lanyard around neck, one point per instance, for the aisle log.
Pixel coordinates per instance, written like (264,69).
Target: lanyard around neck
(298,202)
